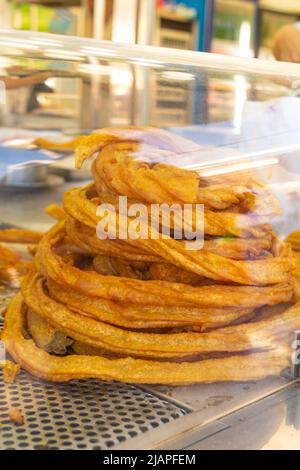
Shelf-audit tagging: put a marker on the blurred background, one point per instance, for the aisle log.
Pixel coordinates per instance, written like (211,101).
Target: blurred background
(59,87)
(244,28)
(237,27)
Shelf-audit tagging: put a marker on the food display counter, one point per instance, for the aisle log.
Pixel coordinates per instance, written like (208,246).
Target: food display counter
(119,330)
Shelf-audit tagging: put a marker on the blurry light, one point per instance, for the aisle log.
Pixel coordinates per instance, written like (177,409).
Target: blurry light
(94,69)
(97,51)
(120,90)
(240,99)
(245,39)
(121,77)
(5,62)
(32,41)
(124,21)
(121,80)
(146,62)
(45,42)
(18,44)
(18,142)
(283,151)
(173,75)
(92,59)
(240,167)
(42,100)
(51,82)
(69,53)
(63,54)
(288,187)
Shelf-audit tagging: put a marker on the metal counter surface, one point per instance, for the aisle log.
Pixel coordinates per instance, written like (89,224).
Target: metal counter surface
(26,209)
(270,424)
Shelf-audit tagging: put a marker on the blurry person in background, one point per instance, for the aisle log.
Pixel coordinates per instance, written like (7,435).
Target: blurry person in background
(16,93)
(286,43)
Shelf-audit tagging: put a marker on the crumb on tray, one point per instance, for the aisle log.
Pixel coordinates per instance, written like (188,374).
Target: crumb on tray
(10,371)
(16,416)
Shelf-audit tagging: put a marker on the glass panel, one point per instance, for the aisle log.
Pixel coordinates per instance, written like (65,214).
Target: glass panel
(209,293)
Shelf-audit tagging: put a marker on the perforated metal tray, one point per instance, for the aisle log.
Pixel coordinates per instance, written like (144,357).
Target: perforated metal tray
(81,414)
(90,414)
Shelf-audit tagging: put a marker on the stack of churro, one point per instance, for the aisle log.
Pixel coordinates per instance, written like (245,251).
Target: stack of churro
(150,310)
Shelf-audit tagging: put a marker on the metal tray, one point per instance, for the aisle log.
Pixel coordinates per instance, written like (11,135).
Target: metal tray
(90,414)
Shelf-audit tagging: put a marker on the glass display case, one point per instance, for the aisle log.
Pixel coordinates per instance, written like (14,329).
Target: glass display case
(124,321)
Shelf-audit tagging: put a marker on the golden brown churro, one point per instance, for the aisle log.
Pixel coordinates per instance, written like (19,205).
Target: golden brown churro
(149,310)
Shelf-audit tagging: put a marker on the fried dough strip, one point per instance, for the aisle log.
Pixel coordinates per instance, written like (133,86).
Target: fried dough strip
(216,198)
(14,235)
(118,172)
(166,187)
(108,265)
(51,265)
(296,255)
(294,240)
(234,248)
(51,145)
(9,261)
(93,143)
(8,257)
(41,364)
(256,335)
(129,140)
(10,371)
(239,249)
(124,175)
(85,350)
(56,212)
(157,139)
(46,336)
(84,237)
(201,262)
(110,338)
(142,317)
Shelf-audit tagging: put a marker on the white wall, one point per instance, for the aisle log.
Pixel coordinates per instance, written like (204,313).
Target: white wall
(5,14)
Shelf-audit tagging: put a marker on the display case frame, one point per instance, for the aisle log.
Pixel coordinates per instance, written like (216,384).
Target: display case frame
(185,414)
